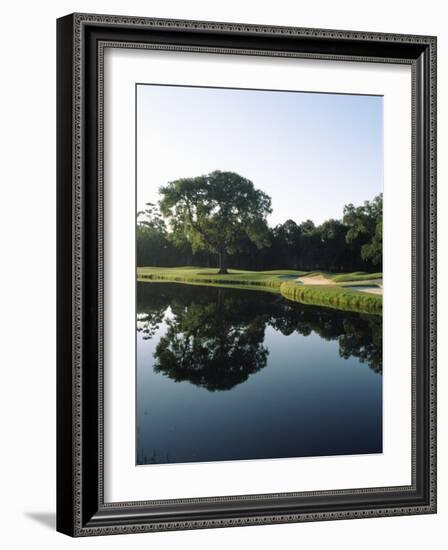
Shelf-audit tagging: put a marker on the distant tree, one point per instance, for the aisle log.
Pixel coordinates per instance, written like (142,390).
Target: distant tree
(216,213)
(152,242)
(290,232)
(150,218)
(307,227)
(373,250)
(286,247)
(366,227)
(333,245)
(311,246)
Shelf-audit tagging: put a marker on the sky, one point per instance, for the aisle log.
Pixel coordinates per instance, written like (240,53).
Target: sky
(312,153)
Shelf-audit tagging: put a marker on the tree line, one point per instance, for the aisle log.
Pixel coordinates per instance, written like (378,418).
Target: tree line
(220,219)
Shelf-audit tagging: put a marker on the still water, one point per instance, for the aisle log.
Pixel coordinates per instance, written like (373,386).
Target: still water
(225,374)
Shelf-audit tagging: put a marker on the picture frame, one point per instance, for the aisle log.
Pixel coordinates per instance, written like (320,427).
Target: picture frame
(81,506)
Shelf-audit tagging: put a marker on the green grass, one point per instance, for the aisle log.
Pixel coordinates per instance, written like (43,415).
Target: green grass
(335,295)
(356,276)
(260,280)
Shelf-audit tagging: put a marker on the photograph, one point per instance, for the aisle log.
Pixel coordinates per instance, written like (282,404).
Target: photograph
(259,274)
(246,273)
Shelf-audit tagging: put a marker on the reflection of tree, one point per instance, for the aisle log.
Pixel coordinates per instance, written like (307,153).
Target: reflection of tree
(364,342)
(148,322)
(214,336)
(325,322)
(150,311)
(358,335)
(212,345)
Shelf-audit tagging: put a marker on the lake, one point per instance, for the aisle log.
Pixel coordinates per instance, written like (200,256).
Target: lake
(226,374)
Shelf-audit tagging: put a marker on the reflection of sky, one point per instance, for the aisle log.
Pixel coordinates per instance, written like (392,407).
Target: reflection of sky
(312,153)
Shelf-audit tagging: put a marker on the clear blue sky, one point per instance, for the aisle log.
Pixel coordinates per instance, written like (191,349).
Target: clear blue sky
(312,153)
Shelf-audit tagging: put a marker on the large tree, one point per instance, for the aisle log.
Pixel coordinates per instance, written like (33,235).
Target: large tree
(217,213)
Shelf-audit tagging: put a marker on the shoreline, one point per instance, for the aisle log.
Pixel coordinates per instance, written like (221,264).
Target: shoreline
(323,291)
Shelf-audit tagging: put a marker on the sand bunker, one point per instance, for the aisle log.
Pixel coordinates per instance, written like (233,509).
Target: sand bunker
(368,289)
(315,280)
(319,280)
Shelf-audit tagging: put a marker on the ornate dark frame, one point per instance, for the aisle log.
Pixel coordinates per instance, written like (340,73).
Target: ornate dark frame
(81,39)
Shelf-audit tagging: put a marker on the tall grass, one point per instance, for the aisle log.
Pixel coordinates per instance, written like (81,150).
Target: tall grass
(333,296)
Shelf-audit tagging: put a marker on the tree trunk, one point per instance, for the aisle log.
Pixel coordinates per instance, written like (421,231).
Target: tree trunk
(222,263)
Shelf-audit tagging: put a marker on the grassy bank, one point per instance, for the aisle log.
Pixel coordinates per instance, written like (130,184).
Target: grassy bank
(333,292)
(337,297)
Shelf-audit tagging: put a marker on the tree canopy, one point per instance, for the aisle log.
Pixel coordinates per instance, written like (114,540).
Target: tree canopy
(216,213)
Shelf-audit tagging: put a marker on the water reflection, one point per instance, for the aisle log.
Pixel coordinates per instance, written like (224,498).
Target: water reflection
(214,337)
